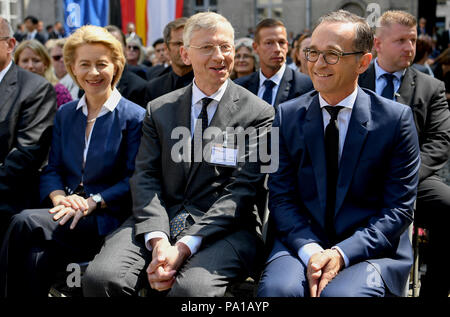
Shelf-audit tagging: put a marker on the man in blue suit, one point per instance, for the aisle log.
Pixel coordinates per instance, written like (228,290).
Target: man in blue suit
(274,82)
(342,198)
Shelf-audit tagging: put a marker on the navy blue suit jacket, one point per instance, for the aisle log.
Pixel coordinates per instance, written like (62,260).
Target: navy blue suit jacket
(376,189)
(292,85)
(110,159)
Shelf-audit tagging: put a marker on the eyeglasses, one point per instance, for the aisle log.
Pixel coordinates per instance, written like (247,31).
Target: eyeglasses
(4,38)
(133,48)
(57,57)
(208,49)
(243,56)
(330,57)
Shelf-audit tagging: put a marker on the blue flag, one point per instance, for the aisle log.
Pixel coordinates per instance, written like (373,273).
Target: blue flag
(80,12)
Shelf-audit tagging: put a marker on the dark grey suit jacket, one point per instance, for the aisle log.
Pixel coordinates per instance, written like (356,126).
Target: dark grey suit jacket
(292,85)
(27,109)
(221,200)
(426,97)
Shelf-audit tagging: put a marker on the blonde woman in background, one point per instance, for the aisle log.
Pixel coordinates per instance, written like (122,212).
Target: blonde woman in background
(32,56)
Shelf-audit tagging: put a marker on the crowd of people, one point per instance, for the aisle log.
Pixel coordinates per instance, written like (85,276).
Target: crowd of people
(92,167)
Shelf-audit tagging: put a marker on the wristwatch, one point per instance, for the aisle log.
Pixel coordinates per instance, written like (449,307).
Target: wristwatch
(97,198)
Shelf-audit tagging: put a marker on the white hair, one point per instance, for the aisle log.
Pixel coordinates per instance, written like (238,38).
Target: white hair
(204,20)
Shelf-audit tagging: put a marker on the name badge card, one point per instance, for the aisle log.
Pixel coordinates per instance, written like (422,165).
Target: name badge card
(221,155)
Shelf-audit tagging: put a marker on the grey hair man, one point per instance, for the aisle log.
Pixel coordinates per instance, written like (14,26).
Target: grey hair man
(195,228)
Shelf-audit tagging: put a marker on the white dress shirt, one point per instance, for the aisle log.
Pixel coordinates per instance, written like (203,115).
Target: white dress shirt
(275,78)
(193,242)
(343,118)
(4,71)
(109,106)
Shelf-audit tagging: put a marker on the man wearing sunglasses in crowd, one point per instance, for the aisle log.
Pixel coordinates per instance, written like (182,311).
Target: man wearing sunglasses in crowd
(342,198)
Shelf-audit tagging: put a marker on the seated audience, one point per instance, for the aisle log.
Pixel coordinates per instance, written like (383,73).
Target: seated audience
(86,182)
(245,61)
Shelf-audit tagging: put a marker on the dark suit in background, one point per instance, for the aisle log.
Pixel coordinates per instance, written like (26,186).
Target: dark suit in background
(167,83)
(27,108)
(132,87)
(293,84)
(426,98)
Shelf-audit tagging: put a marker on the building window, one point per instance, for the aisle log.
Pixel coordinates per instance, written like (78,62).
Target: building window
(9,10)
(269,9)
(205,5)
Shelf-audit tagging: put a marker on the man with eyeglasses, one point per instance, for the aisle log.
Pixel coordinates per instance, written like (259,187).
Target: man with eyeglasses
(342,198)
(274,82)
(27,108)
(180,74)
(391,76)
(195,228)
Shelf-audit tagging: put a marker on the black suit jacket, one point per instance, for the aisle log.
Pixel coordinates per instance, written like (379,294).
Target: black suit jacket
(167,83)
(426,97)
(27,109)
(221,200)
(292,85)
(132,87)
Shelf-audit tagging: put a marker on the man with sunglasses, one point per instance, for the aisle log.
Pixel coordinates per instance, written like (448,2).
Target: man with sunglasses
(274,82)
(27,108)
(341,200)
(391,76)
(180,74)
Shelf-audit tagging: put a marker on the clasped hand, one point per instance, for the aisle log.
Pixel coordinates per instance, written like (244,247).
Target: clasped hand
(166,261)
(73,206)
(322,268)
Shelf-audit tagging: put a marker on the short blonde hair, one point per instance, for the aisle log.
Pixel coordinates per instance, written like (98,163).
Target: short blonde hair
(41,51)
(90,34)
(396,17)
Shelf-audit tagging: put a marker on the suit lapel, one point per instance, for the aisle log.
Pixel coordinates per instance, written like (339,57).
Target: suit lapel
(285,86)
(354,141)
(254,83)
(314,136)
(183,118)
(220,120)
(407,88)
(7,87)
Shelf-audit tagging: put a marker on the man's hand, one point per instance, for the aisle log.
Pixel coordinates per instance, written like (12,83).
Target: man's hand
(322,268)
(166,260)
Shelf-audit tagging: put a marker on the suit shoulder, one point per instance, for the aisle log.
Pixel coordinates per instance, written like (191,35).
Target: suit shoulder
(384,104)
(302,101)
(251,100)
(422,78)
(31,80)
(170,98)
(246,80)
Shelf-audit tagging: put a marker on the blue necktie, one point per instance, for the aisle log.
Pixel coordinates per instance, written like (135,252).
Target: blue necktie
(267,96)
(388,91)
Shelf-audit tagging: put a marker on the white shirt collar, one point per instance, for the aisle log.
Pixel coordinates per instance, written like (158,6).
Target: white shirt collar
(109,105)
(275,78)
(4,71)
(380,71)
(347,102)
(198,95)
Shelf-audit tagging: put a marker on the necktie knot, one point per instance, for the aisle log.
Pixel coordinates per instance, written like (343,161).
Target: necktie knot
(269,84)
(205,102)
(333,111)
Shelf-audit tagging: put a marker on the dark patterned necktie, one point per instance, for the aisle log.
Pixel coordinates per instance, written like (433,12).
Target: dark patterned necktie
(178,223)
(267,96)
(388,91)
(202,122)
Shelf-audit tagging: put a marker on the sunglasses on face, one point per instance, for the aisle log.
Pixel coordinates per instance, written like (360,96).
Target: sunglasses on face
(57,57)
(133,48)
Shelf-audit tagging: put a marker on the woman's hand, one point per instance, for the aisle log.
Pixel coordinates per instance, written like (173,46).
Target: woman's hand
(72,206)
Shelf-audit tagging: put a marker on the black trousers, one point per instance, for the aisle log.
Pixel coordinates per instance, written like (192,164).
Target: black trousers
(35,247)
(433,213)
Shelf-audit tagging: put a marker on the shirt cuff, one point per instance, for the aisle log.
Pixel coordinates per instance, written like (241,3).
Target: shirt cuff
(192,242)
(151,235)
(346,260)
(307,251)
